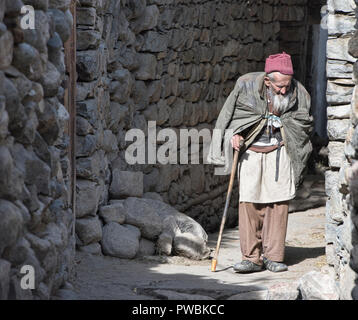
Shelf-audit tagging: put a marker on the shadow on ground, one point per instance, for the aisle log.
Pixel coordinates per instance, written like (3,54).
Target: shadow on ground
(100,277)
(295,255)
(178,278)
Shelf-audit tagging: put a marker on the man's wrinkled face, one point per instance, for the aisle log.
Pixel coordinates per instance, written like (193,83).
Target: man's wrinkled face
(279,93)
(279,83)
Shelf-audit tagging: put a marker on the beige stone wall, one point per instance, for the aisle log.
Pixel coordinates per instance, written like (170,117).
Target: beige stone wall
(341,63)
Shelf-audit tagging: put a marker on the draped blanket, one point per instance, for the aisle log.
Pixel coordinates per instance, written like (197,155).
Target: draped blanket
(245,112)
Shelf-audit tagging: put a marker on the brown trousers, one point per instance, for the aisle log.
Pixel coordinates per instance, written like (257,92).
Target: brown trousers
(262,230)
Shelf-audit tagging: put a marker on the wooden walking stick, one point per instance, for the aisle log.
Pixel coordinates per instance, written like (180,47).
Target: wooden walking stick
(228,197)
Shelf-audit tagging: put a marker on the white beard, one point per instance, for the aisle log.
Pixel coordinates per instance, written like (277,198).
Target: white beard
(280,103)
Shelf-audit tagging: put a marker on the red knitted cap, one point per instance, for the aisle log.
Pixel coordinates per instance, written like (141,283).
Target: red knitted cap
(279,62)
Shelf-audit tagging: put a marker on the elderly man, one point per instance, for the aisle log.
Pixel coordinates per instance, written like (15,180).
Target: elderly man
(270,112)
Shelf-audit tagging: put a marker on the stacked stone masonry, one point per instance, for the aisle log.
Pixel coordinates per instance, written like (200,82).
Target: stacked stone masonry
(351,148)
(172,62)
(36,226)
(169,61)
(341,233)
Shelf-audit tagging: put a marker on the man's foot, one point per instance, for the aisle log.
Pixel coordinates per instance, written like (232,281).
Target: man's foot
(246,266)
(274,266)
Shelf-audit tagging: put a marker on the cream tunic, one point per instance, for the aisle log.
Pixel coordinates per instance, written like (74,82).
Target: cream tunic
(257,177)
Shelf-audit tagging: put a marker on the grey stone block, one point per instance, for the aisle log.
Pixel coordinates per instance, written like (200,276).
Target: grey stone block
(317,286)
(89,230)
(11,224)
(4,279)
(120,241)
(337,129)
(114,212)
(87,198)
(146,248)
(126,184)
(144,217)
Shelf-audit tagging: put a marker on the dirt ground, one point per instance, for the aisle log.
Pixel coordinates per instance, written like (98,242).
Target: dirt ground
(156,278)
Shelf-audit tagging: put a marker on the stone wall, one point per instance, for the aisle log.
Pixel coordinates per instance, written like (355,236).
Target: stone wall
(36,226)
(173,62)
(351,173)
(169,61)
(342,80)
